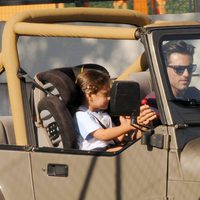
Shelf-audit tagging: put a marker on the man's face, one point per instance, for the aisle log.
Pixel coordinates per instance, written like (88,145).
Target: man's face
(179,81)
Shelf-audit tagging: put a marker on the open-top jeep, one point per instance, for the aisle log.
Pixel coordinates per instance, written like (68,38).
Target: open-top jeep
(38,153)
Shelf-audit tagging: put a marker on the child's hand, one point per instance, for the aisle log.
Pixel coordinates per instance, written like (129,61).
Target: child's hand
(146,115)
(125,119)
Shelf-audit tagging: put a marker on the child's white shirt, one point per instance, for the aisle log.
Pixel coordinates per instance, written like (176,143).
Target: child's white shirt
(86,122)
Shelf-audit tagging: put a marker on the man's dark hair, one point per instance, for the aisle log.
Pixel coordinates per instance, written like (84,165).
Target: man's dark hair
(176,46)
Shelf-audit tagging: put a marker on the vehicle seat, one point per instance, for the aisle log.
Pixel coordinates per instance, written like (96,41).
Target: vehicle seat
(7,130)
(54,109)
(144,80)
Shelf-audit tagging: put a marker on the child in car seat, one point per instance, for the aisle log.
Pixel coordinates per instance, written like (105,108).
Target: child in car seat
(94,125)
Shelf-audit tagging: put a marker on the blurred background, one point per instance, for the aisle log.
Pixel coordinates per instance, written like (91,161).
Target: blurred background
(151,7)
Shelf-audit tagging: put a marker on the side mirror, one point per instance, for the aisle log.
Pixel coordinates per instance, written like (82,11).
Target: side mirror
(125,98)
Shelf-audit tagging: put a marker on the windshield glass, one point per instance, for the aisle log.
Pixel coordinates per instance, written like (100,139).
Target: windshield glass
(181,58)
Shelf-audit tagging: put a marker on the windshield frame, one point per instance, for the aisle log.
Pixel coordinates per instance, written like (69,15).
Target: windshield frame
(171,111)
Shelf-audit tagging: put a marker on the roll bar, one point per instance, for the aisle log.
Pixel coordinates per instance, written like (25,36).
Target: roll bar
(48,23)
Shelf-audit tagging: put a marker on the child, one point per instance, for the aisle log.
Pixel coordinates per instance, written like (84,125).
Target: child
(94,125)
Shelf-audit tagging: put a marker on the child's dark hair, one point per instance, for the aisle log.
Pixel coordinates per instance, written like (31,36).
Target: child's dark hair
(91,81)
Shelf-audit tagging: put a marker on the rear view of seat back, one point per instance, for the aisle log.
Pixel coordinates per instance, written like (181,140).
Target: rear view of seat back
(6,130)
(144,80)
(53,109)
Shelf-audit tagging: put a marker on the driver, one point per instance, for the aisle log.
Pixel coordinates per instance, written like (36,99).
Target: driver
(178,57)
(179,62)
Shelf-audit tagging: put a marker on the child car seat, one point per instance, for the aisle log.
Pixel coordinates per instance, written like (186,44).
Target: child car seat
(54,105)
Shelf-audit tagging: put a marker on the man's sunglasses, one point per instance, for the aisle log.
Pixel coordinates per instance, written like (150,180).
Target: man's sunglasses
(179,69)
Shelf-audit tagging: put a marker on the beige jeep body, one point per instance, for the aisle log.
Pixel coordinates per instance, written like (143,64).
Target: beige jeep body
(167,167)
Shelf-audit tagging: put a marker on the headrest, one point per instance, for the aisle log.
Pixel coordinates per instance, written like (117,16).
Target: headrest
(144,79)
(73,72)
(79,68)
(60,81)
(59,84)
